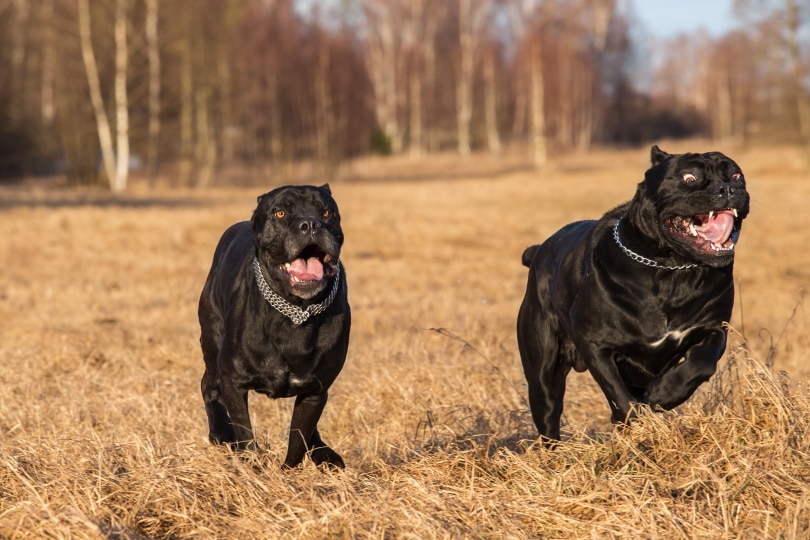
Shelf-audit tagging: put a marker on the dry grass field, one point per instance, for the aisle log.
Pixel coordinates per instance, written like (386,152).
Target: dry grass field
(102,427)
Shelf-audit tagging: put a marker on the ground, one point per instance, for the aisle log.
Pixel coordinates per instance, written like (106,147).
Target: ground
(103,431)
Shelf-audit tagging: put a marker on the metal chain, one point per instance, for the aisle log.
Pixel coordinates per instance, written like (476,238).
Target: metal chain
(297,315)
(640,258)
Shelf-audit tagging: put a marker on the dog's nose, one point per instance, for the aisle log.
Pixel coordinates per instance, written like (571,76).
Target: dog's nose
(723,189)
(308,225)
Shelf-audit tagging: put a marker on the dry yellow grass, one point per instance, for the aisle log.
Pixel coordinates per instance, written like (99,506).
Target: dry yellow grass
(103,432)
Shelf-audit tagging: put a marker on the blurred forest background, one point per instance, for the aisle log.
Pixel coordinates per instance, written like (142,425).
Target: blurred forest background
(198,90)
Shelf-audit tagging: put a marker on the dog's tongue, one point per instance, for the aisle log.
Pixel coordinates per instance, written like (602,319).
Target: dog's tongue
(718,228)
(307,270)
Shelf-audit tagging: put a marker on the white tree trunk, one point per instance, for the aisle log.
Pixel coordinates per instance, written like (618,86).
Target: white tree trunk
(324,111)
(382,61)
(415,105)
(47,102)
(102,122)
(491,104)
(186,114)
(206,153)
(153,53)
(795,52)
(537,105)
(121,101)
(467,41)
(723,123)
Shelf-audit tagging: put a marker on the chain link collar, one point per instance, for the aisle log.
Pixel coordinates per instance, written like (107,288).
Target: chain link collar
(640,258)
(297,315)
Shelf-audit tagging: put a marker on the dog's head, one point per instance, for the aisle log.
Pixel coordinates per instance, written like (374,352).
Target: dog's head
(693,204)
(296,230)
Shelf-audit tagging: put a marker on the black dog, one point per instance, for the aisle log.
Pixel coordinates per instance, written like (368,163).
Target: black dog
(639,297)
(275,318)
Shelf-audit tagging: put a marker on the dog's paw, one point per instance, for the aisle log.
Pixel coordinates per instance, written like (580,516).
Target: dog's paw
(327,459)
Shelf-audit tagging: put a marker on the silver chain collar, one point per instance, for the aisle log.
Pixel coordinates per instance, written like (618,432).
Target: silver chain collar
(297,315)
(640,258)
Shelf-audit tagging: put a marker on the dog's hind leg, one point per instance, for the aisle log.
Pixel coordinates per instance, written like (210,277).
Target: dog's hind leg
(545,369)
(220,430)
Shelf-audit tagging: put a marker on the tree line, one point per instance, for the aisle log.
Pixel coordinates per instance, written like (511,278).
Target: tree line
(190,88)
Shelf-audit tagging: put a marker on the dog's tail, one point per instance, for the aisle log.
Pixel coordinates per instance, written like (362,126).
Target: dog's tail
(528,255)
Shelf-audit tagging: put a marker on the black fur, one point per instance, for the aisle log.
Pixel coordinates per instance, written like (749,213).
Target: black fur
(647,335)
(249,345)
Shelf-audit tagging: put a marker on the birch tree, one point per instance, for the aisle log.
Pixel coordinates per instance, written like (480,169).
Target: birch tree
(526,17)
(115,161)
(121,101)
(383,58)
(153,53)
(472,19)
(94,85)
(793,26)
(46,93)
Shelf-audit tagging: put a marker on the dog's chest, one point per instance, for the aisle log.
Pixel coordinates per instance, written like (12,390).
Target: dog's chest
(288,369)
(282,382)
(670,338)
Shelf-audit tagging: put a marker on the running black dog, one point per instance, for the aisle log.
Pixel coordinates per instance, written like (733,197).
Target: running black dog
(275,319)
(640,297)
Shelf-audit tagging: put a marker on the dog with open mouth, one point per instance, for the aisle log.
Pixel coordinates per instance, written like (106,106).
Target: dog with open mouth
(641,297)
(275,318)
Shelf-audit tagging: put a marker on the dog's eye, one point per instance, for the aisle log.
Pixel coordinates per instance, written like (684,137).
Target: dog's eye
(326,213)
(689,178)
(280,214)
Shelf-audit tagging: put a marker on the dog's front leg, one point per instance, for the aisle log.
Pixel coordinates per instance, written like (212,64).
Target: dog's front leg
(603,369)
(699,364)
(304,435)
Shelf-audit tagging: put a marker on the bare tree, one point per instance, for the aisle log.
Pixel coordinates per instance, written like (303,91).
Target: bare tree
(153,53)
(472,19)
(94,84)
(780,24)
(491,100)
(526,18)
(21,13)
(121,101)
(383,57)
(47,102)
(793,26)
(186,112)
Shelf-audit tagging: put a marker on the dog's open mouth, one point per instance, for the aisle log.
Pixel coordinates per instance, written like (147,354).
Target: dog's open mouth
(312,265)
(714,232)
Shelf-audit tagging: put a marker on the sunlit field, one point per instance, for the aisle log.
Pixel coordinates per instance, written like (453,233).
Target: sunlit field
(103,432)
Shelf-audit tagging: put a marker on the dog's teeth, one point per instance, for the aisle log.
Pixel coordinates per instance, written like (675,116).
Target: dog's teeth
(711,214)
(692,230)
(734,211)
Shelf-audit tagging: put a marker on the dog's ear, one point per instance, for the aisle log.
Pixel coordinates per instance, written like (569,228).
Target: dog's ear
(326,188)
(259,218)
(257,221)
(657,155)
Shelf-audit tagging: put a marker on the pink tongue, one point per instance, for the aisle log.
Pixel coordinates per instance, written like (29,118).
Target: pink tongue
(718,229)
(307,270)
